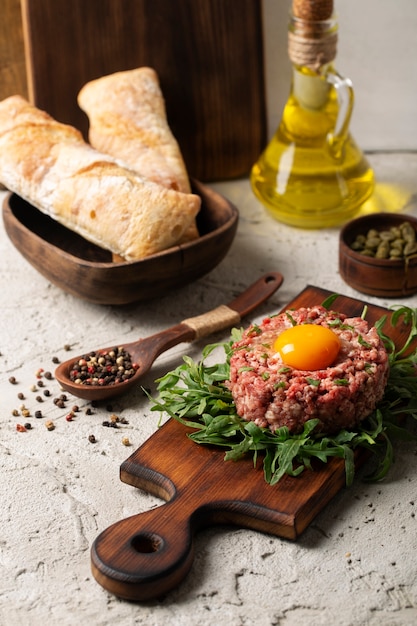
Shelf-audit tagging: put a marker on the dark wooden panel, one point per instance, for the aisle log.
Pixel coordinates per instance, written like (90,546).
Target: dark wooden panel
(208,55)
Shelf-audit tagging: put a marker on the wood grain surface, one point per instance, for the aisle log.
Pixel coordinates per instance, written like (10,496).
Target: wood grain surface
(208,55)
(148,554)
(12,52)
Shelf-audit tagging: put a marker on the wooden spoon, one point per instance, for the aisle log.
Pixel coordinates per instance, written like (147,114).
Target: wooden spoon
(145,351)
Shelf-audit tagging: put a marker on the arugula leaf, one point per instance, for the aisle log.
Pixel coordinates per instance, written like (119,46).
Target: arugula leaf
(195,394)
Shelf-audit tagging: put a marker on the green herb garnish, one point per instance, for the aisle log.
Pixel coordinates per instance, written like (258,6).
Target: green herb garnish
(195,394)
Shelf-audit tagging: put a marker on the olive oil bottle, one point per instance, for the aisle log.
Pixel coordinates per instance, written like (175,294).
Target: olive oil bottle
(312,174)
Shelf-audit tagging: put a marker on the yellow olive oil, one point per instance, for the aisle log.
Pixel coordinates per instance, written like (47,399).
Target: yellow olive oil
(312,174)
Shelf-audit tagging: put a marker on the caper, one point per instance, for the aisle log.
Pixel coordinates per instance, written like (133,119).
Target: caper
(395,253)
(410,248)
(387,235)
(408,232)
(372,242)
(383,250)
(395,243)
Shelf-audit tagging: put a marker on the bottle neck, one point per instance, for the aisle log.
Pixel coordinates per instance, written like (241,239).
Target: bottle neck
(312,44)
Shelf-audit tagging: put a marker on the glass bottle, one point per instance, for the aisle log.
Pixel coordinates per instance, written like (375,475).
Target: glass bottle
(312,174)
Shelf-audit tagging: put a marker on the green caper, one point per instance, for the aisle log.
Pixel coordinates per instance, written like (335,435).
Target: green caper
(395,253)
(408,232)
(397,244)
(372,242)
(394,243)
(383,250)
(387,235)
(357,245)
(410,248)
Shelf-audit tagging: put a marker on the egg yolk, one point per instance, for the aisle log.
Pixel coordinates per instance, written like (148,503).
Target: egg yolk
(308,346)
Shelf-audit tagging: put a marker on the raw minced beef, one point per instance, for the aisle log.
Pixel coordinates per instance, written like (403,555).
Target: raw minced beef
(271,394)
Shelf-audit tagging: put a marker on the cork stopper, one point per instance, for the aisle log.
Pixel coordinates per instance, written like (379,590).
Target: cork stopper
(312,36)
(312,10)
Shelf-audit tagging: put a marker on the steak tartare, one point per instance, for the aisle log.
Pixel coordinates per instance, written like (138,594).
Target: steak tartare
(269,392)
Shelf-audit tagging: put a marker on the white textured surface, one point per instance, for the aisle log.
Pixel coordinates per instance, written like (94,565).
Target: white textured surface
(354,566)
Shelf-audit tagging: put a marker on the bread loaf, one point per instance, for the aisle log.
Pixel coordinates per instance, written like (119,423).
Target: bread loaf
(49,165)
(127,119)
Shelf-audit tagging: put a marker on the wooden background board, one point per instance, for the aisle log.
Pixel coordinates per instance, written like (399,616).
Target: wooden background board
(148,554)
(208,55)
(12,55)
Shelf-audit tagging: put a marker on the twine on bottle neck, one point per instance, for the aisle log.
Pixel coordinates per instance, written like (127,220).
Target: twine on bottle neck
(311,47)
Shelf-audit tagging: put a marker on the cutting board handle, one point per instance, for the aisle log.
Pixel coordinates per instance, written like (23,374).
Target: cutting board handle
(146,555)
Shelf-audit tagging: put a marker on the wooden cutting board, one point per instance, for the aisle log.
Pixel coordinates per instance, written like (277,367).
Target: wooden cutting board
(148,554)
(208,55)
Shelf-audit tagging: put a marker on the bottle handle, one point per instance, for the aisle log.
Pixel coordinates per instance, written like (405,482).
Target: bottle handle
(345,97)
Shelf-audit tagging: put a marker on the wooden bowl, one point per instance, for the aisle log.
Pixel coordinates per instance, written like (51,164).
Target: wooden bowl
(376,277)
(87,271)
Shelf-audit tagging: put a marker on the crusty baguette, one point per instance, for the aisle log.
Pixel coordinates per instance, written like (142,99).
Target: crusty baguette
(49,165)
(127,119)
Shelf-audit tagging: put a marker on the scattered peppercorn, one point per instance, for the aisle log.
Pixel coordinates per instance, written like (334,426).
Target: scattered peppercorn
(28,426)
(26,413)
(46,393)
(55,359)
(39,399)
(38,414)
(126,441)
(91,439)
(20,428)
(104,367)
(50,425)
(15,412)
(21,395)
(48,375)
(12,380)
(88,411)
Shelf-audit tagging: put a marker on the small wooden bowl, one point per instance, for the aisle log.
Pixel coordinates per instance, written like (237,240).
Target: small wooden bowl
(87,271)
(377,277)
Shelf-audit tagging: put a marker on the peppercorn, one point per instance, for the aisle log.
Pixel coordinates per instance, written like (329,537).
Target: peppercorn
(50,425)
(103,368)
(21,395)
(28,426)
(38,414)
(48,375)
(12,380)
(91,439)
